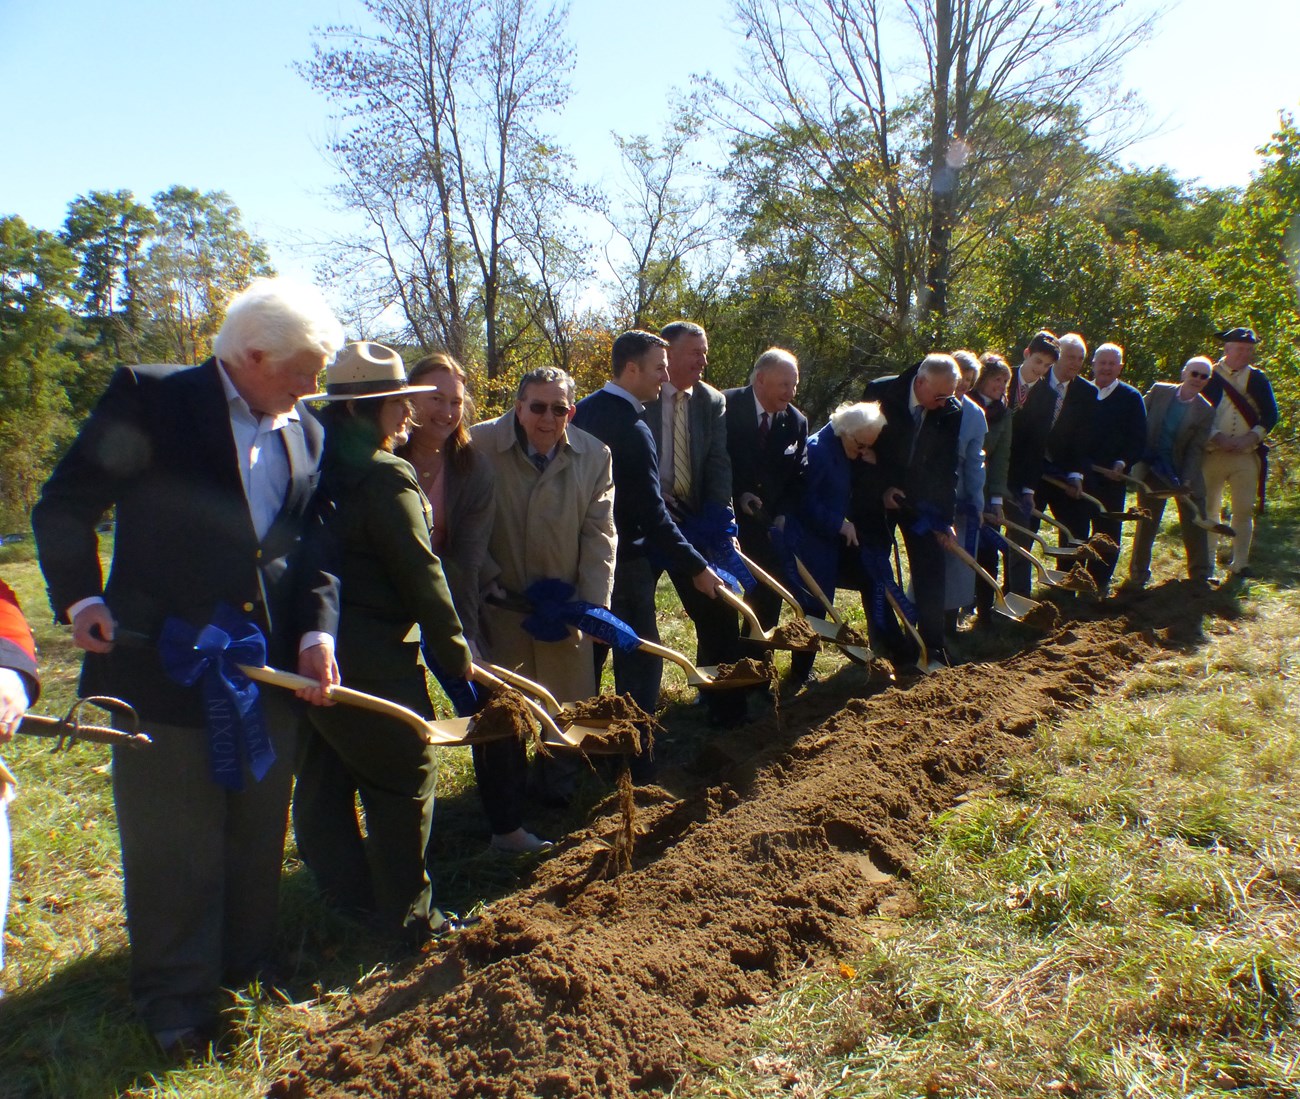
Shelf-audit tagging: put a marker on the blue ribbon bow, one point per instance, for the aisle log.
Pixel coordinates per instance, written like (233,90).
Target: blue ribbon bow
(212,655)
(555,610)
(713,531)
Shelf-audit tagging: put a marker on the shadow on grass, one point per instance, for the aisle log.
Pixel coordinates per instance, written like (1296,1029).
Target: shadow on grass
(75,1036)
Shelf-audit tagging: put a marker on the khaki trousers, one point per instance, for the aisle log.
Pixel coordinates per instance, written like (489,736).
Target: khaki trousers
(1239,471)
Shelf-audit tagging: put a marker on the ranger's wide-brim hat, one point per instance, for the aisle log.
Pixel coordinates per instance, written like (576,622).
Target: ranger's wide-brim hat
(366,369)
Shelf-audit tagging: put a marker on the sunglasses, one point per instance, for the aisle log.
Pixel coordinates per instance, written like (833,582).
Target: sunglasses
(1199,377)
(541,408)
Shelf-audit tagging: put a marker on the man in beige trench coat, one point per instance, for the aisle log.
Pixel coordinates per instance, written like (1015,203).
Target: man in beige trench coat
(554,519)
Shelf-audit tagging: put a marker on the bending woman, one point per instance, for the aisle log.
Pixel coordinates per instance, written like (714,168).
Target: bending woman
(460,485)
(377,531)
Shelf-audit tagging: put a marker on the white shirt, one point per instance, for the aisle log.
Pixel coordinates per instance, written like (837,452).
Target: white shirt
(1102,394)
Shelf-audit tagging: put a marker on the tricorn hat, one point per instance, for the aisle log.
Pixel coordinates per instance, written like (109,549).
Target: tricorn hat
(366,369)
(1237,335)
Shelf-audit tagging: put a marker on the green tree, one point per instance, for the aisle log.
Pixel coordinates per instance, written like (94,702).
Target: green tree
(1257,270)
(37,273)
(200,255)
(108,232)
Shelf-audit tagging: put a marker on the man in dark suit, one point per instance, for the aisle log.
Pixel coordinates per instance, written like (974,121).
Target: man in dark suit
(212,470)
(1039,356)
(688,422)
(1050,435)
(1119,432)
(767,438)
(917,458)
(615,415)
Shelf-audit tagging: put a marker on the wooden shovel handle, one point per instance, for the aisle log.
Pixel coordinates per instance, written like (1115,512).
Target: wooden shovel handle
(528,686)
(746,612)
(772,582)
(815,588)
(347,695)
(693,674)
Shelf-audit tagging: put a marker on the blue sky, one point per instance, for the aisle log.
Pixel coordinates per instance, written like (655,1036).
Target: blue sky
(146,93)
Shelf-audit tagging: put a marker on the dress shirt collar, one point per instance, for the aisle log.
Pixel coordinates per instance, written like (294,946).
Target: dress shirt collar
(613,387)
(760,411)
(669,390)
(1103,393)
(240,406)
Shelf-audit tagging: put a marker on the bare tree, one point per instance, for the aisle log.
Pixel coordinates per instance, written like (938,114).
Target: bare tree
(660,221)
(441,104)
(889,126)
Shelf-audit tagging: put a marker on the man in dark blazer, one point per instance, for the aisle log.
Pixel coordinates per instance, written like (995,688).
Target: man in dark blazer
(1039,356)
(212,470)
(767,438)
(688,422)
(615,415)
(1178,425)
(1050,435)
(917,459)
(1119,432)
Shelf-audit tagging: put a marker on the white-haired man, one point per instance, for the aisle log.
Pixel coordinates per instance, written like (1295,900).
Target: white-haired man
(1119,431)
(767,438)
(212,470)
(1178,419)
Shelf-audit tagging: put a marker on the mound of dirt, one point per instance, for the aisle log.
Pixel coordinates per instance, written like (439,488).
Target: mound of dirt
(582,986)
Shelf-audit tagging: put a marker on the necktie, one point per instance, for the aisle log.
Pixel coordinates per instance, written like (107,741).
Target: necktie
(1060,400)
(539,460)
(763,428)
(681,447)
(918,417)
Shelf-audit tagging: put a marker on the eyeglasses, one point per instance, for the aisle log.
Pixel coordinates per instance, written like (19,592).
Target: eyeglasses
(541,408)
(1198,377)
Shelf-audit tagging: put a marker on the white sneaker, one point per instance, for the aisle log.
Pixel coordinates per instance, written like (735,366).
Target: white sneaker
(519,842)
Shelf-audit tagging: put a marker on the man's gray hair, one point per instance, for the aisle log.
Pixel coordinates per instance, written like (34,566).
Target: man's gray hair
(280,318)
(773,356)
(1197,360)
(939,365)
(851,418)
(1108,347)
(1073,339)
(545,375)
(677,329)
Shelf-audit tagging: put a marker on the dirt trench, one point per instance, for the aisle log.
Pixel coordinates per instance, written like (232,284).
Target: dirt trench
(578,985)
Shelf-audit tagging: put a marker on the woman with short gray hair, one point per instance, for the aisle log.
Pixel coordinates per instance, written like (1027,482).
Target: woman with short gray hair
(819,526)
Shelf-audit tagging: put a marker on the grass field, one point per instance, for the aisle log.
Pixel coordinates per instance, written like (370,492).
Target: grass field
(1119,917)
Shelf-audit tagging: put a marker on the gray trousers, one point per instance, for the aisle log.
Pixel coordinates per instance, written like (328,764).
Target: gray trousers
(201,867)
(1196,541)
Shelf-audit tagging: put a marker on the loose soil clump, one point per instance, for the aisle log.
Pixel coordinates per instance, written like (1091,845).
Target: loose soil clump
(579,985)
(505,714)
(795,634)
(748,670)
(619,720)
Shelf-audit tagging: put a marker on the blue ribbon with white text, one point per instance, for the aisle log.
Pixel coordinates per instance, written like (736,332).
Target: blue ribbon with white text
(211,657)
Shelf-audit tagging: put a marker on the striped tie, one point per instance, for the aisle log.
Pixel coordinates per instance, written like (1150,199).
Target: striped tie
(681,447)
